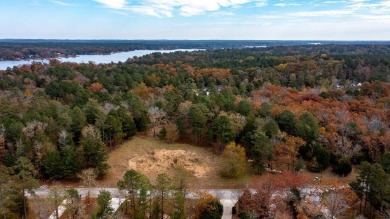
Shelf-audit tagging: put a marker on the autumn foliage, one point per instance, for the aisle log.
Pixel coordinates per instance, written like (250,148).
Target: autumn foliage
(95,87)
(235,161)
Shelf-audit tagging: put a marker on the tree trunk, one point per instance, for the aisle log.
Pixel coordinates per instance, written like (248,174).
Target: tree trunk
(133,202)
(162,204)
(126,206)
(24,204)
(56,204)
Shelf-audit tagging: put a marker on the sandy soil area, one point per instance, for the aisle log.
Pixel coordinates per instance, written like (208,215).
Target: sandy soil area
(151,157)
(165,161)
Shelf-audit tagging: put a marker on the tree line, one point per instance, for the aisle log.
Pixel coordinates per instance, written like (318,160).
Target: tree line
(279,111)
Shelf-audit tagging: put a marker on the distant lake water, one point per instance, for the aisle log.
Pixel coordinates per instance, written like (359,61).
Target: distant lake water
(97,59)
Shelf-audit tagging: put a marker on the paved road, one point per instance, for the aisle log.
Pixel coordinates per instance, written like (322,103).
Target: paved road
(228,197)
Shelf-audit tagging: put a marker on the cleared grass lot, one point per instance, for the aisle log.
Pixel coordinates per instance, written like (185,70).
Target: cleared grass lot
(151,157)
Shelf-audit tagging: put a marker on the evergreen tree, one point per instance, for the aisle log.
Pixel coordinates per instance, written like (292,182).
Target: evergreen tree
(26,173)
(12,200)
(179,205)
(104,209)
(342,166)
(94,151)
(113,130)
(133,182)
(74,205)
(92,111)
(71,163)
(51,165)
(373,187)
(129,128)
(307,128)
(244,107)
(262,150)
(163,185)
(198,119)
(385,162)
(271,128)
(78,122)
(223,130)
(139,111)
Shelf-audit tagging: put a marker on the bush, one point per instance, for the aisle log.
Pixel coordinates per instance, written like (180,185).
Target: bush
(245,215)
(213,211)
(320,161)
(342,166)
(313,166)
(323,157)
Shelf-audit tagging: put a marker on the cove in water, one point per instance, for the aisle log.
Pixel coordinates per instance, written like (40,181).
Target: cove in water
(97,59)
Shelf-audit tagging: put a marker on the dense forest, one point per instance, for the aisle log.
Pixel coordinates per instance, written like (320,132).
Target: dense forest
(280,107)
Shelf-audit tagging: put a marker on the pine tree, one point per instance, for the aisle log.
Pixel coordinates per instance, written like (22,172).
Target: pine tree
(94,151)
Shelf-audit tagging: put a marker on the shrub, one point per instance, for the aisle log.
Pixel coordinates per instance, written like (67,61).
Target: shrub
(342,166)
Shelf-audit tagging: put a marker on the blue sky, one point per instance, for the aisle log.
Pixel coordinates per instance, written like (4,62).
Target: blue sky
(196,19)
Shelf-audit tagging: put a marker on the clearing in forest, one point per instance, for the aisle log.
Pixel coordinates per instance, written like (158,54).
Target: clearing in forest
(151,157)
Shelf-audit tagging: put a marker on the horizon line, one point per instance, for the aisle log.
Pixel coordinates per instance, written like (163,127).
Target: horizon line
(107,39)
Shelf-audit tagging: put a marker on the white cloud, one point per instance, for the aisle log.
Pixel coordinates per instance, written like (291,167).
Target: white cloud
(62,3)
(114,4)
(167,8)
(321,13)
(287,4)
(331,2)
(375,17)
(270,16)
(150,11)
(383,7)
(187,8)
(221,14)
(261,3)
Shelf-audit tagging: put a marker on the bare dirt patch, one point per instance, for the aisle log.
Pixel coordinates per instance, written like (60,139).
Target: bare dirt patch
(151,157)
(165,161)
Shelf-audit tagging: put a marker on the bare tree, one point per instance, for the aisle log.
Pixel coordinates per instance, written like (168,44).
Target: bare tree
(63,138)
(39,152)
(183,110)
(238,122)
(374,125)
(157,117)
(19,145)
(74,206)
(309,209)
(33,127)
(56,195)
(336,203)
(88,178)
(41,206)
